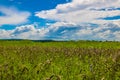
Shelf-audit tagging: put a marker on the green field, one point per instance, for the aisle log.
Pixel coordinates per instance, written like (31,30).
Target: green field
(80,60)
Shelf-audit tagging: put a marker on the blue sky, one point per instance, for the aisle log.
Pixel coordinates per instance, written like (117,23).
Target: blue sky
(60,19)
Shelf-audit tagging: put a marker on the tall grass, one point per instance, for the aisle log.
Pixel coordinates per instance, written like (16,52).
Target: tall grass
(81,60)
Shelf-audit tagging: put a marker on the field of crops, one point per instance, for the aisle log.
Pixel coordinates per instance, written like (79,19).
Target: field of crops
(80,60)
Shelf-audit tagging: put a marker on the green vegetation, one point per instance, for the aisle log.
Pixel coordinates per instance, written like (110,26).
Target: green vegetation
(81,60)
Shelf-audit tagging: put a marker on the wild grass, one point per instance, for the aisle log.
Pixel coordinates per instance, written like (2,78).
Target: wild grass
(81,60)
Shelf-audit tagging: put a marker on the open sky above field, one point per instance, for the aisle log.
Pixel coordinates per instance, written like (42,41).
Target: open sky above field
(60,19)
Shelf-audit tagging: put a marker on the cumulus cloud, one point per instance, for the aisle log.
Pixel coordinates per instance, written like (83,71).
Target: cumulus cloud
(13,16)
(28,32)
(70,31)
(85,19)
(83,11)
(64,31)
(4,34)
(117,35)
(23,32)
(78,19)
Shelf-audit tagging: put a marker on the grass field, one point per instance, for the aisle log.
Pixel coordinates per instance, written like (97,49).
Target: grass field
(80,60)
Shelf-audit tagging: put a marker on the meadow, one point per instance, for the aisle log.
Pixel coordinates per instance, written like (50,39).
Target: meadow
(70,60)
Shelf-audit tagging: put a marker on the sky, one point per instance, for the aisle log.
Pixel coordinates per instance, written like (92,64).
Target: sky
(60,19)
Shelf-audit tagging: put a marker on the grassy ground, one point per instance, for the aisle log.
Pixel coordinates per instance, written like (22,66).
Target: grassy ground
(81,60)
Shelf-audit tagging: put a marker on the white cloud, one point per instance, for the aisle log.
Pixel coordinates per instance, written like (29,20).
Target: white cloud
(82,11)
(4,34)
(57,25)
(28,32)
(75,19)
(104,35)
(108,31)
(117,23)
(13,16)
(64,31)
(23,32)
(117,35)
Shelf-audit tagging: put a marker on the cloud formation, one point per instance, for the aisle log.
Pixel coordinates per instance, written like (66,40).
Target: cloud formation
(64,31)
(12,16)
(83,11)
(85,19)
(79,19)
(28,32)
